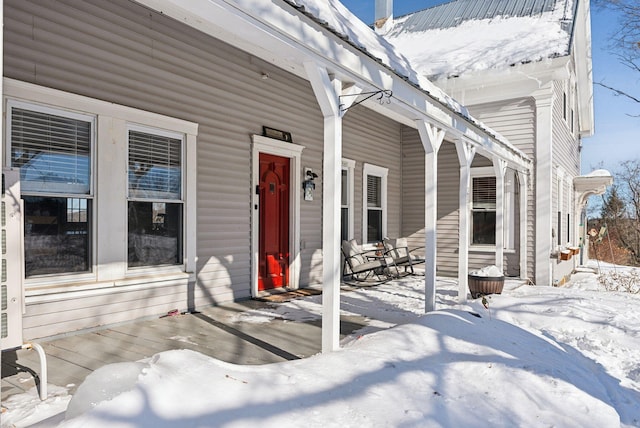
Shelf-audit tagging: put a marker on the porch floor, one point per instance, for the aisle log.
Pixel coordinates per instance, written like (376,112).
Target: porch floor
(70,358)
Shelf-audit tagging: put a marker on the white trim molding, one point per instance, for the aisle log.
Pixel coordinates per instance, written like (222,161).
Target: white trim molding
(376,171)
(349,165)
(109,187)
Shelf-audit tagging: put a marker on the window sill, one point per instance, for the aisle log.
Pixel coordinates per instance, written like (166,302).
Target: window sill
(489,249)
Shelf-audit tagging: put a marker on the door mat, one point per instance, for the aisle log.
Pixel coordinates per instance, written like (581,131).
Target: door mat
(280,296)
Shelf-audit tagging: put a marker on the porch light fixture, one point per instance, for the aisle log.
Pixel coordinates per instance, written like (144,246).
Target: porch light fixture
(276,134)
(308,184)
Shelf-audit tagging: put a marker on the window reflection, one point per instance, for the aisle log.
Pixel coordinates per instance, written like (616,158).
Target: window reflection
(57,235)
(155,234)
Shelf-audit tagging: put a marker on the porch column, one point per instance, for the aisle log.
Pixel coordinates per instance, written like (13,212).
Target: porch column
(543,185)
(327,92)
(524,219)
(466,152)
(500,168)
(2,327)
(431,138)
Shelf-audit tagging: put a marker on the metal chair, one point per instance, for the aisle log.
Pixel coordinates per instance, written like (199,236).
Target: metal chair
(401,255)
(365,266)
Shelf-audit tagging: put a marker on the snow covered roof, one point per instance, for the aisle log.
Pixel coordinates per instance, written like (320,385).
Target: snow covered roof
(342,22)
(594,183)
(467,35)
(334,16)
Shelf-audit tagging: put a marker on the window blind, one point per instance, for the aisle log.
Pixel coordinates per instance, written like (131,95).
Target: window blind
(484,193)
(155,166)
(344,196)
(52,152)
(374,191)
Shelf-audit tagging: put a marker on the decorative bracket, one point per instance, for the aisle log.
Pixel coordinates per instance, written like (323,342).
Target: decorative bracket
(384,96)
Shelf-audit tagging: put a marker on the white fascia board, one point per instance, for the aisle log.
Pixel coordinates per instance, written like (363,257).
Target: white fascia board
(581,50)
(518,81)
(288,40)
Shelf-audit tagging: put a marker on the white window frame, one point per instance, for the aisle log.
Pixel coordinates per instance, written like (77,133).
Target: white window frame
(165,133)
(350,166)
(560,241)
(41,107)
(109,190)
(376,171)
(479,172)
(509,208)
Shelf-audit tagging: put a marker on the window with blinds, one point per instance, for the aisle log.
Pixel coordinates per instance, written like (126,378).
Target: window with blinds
(155,166)
(52,148)
(52,151)
(484,211)
(155,208)
(374,191)
(374,208)
(484,193)
(344,206)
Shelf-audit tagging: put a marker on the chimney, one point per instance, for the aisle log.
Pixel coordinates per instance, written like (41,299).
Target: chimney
(384,16)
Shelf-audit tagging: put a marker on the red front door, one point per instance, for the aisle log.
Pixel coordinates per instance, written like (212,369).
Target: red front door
(273,255)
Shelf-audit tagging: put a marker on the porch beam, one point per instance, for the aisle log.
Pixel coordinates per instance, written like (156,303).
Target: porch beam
(327,91)
(500,168)
(466,152)
(431,138)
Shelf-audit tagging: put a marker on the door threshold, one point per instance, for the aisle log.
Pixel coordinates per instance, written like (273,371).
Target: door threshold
(285,294)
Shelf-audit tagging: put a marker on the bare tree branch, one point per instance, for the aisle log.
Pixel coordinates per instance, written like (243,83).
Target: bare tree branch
(625,42)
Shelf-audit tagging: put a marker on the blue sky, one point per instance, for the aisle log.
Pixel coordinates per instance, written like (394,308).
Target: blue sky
(617,135)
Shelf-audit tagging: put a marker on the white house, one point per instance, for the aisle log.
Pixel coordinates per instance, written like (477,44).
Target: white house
(523,69)
(155,151)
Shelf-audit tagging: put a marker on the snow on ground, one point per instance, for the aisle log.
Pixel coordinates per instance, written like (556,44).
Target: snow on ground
(538,356)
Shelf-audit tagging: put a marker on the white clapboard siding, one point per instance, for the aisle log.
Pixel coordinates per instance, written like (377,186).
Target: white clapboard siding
(371,138)
(412,188)
(515,120)
(51,315)
(448,209)
(123,53)
(413,204)
(566,155)
(110,51)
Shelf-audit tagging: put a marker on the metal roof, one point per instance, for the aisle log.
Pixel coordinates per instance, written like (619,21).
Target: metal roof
(455,12)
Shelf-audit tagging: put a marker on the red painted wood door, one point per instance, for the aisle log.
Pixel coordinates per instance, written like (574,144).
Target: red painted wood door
(273,256)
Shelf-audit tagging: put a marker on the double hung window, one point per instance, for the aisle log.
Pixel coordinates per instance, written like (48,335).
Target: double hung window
(104,188)
(53,149)
(346,199)
(375,203)
(155,204)
(484,211)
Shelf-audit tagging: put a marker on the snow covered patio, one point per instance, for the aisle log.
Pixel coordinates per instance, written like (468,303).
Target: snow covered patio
(247,332)
(563,356)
